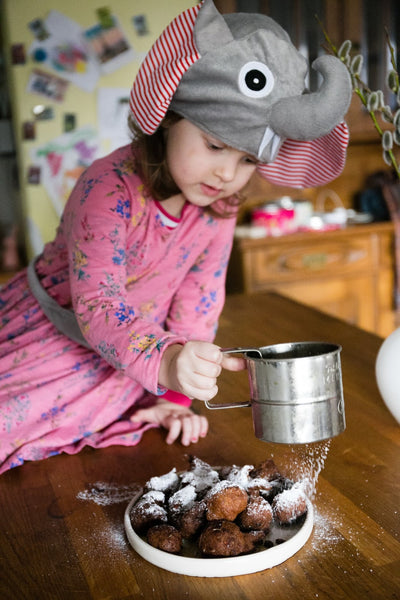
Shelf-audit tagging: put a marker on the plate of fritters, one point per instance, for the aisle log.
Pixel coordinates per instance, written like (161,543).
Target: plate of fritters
(219,521)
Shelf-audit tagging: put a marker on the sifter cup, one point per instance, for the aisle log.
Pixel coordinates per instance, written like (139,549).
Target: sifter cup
(296,391)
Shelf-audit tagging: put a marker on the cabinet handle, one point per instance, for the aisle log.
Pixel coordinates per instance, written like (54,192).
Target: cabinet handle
(315,261)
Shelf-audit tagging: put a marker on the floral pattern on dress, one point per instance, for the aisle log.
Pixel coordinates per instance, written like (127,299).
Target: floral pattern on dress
(141,204)
(80,262)
(145,344)
(206,302)
(14,411)
(111,354)
(88,185)
(124,314)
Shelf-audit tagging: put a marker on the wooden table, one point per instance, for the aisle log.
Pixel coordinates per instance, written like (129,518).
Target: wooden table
(55,544)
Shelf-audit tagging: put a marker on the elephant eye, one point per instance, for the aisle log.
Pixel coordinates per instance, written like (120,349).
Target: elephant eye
(256,80)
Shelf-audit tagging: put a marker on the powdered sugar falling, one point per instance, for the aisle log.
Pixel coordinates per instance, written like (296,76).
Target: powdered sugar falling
(304,463)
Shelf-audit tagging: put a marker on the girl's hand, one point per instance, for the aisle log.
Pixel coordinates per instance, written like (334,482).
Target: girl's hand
(178,420)
(193,369)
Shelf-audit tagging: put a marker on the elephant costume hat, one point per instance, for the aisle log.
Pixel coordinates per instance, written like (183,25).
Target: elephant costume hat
(239,78)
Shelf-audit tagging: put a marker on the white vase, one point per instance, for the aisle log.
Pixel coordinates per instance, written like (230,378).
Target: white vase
(387,371)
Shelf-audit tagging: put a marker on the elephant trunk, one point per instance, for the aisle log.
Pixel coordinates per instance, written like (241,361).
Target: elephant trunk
(313,115)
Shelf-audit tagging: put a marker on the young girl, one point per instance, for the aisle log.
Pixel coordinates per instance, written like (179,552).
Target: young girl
(110,330)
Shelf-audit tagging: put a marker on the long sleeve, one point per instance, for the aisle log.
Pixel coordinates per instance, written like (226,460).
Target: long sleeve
(198,302)
(97,223)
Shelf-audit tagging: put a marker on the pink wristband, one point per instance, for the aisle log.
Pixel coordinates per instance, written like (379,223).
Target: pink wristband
(176,398)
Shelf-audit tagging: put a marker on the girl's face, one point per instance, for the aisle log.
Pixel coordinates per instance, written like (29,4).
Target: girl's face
(203,168)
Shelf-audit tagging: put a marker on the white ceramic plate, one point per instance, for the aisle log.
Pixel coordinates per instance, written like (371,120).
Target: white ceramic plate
(295,537)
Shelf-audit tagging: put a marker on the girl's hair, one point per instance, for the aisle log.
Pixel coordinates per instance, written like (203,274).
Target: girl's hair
(153,169)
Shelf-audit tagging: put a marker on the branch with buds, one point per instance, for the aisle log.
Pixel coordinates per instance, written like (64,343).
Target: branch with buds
(374,101)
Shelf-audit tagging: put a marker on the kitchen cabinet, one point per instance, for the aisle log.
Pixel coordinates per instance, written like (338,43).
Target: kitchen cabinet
(347,273)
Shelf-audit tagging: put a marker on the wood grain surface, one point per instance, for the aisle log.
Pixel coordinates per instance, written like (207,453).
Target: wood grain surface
(61,520)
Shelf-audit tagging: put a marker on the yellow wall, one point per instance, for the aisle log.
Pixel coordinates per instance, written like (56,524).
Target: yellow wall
(36,204)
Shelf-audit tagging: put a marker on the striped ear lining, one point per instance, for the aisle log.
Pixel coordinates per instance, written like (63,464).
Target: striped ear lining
(162,69)
(309,164)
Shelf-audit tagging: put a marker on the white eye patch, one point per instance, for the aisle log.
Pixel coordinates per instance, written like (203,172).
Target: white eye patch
(256,80)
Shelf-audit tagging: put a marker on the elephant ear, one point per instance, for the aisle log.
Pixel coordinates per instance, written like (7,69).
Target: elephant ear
(162,69)
(303,164)
(211,30)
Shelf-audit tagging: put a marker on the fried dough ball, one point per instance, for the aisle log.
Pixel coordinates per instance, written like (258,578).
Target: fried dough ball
(259,486)
(225,501)
(289,505)
(193,519)
(148,511)
(200,475)
(257,515)
(266,470)
(224,538)
(181,501)
(258,536)
(166,483)
(165,537)
(239,475)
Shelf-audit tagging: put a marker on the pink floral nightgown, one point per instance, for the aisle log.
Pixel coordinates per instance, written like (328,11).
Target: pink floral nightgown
(138,281)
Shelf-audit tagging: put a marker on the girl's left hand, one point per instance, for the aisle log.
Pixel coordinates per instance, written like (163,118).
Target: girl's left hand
(178,420)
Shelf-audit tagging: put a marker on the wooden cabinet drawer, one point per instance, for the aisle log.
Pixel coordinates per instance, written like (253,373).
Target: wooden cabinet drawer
(308,261)
(348,273)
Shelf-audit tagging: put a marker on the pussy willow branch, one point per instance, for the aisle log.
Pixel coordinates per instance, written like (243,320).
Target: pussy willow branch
(364,92)
(392,57)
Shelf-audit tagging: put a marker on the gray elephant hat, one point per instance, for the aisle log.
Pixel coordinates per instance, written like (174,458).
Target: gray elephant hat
(239,78)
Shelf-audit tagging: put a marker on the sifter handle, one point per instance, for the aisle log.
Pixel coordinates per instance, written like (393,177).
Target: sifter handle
(240,350)
(227,405)
(232,404)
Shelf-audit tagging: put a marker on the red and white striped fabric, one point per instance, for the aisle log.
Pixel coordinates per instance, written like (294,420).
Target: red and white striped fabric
(309,164)
(162,69)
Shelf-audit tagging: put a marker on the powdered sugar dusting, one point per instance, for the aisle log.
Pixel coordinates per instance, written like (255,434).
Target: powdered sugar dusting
(164,482)
(155,496)
(201,475)
(254,507)
(183,499)
(151,504)
(241,475)
(288,497)
(222,485)
(107,493)
(114,538)
(324,533)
